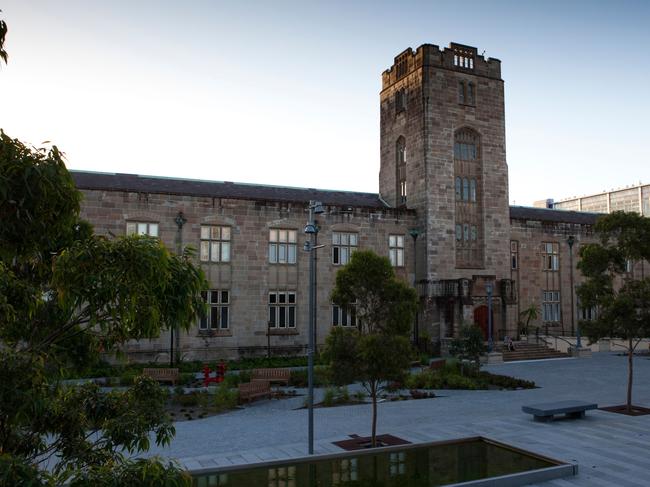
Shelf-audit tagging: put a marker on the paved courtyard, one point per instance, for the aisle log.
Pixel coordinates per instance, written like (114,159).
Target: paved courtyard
(610,449)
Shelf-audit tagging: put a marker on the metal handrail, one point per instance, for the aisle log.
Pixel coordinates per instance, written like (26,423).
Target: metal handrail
(550,342)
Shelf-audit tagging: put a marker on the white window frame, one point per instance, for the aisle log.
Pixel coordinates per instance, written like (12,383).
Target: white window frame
(343,244)
(218,310)
(396,250)
(344,316)
(216,243)
(282,246)
(550,256)
(551,306)
(282,309)
(282,476)
(135,227)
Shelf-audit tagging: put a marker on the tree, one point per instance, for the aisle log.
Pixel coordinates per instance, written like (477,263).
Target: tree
(65,296)
(3,34)
(378,350)
(529,314)
(622,302)
(469,346)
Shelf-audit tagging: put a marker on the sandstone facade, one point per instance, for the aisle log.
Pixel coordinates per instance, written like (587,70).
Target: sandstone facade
(442,215)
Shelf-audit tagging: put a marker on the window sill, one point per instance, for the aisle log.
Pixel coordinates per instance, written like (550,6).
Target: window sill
(214,333)
(214,262)
(467,105)
(282,331)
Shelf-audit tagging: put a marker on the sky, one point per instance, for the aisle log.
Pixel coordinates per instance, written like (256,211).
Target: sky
(287,93)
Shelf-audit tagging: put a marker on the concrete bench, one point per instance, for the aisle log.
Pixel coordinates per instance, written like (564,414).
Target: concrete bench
(162,375)
(252,390)
(546,411)
(271,375)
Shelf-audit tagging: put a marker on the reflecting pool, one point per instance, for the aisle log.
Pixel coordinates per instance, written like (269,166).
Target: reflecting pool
(440,463)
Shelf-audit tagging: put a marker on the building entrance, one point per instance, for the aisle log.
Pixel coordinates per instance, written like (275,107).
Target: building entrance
(481,319)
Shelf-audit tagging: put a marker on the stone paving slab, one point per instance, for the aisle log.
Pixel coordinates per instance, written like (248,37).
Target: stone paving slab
(611,449)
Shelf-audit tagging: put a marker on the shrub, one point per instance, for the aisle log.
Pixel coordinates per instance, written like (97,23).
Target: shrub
(328,398)
(360,396)
(299,377)
(187,400)
(127,377)
(344,394)
(225,398)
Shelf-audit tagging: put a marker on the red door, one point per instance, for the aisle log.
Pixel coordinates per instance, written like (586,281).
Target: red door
(481,319)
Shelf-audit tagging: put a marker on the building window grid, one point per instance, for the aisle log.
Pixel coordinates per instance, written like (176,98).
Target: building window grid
(345,471)
(343,244)
(215,243)
(282,477)
(214,480)
(550,256)
(401,169)
(396,250)
(218,312)
(514,255)
(345,316)
(282,246)
(587,314)
(397,462)
(465,189)
(466,93)
(282,309)
(400,100)
(142,228)
(551,306)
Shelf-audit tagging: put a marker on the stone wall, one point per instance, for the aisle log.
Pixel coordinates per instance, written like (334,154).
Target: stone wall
(249,276)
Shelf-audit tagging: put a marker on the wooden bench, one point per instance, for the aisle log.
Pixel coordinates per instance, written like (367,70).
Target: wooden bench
(571,408)
(252,390)
(271,375)
(437,363)
(162,375)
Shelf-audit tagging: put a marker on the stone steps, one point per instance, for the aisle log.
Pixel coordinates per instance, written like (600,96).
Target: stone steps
(528,351)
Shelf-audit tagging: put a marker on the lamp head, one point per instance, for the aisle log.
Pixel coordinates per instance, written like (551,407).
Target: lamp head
(571,240)
(317,207)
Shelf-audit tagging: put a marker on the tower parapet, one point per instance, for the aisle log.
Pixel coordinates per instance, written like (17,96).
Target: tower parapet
(457,57)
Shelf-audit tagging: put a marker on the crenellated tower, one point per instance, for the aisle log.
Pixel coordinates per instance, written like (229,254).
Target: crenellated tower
(443,154)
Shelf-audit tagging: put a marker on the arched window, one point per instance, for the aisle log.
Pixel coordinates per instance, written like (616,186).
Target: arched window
(465,189)
(459,189)
(472,190)
(401,170)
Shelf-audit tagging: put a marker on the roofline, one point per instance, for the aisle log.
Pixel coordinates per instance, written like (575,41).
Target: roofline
(173,178)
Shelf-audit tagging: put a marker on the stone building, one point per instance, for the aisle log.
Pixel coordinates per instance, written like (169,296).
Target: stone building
(441,216)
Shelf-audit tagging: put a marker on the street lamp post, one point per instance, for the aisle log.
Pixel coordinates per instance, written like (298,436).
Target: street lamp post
(414,232)
(570,241)
(488,288)
(311,229)
(180,221)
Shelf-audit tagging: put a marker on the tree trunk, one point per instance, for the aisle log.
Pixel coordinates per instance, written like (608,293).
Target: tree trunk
(630,357)
(373,436)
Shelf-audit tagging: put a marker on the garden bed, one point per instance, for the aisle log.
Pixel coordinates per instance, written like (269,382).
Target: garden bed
(451,376)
